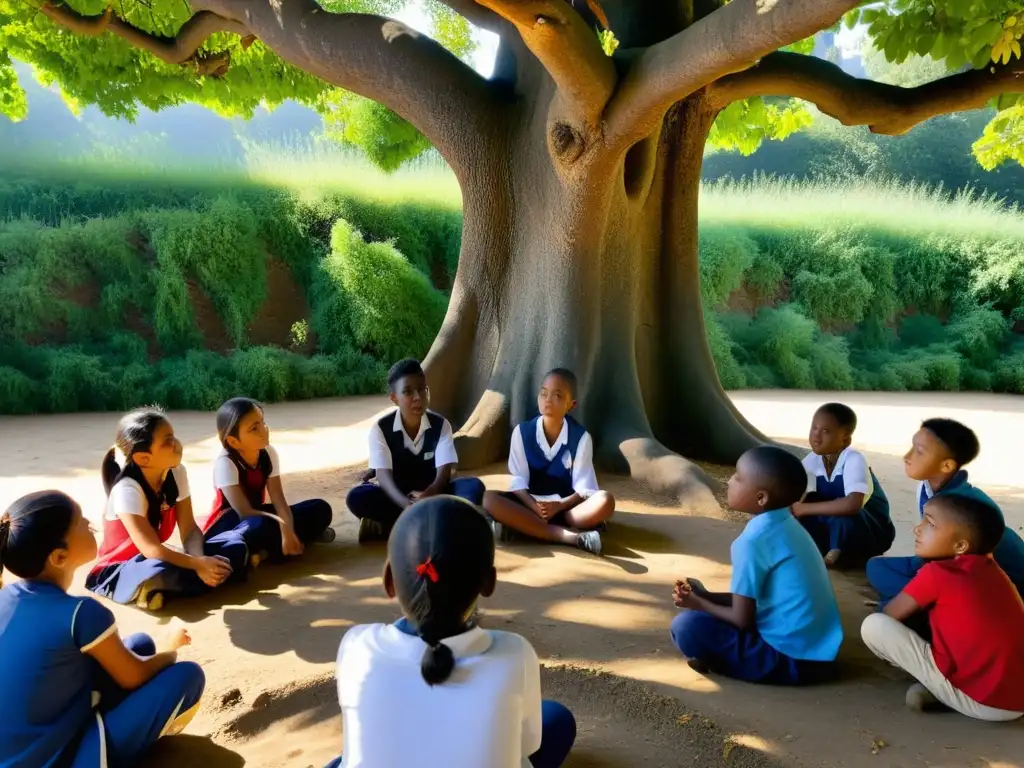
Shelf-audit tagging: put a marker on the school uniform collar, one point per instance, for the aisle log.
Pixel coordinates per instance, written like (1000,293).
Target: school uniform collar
(542,440)
(956,481)
(473,642)
(769,518)
(400,427)
(837,470)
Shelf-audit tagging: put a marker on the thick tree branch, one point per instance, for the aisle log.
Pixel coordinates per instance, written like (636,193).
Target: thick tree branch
(887,109)
(476,14)
(728,40)
(569,50)
(183,48)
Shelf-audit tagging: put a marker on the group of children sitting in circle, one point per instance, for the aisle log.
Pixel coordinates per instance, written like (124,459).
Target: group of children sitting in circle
(77,694)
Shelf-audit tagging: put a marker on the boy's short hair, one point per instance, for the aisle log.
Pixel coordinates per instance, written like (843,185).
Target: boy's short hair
(401,369)
(843,414)
(565,375)
(958,438)
(780,473)
(984,523)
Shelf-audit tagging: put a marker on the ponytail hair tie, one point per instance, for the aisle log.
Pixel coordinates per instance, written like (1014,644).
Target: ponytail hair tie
(427,569)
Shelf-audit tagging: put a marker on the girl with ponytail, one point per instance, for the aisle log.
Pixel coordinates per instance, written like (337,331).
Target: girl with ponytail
(74,692)
(465,696)
(147,498)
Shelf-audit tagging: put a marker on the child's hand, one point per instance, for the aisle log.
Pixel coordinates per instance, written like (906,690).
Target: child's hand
(683,596)
(547,509)
(290,544)
(416,495)
(213,571)
(178,638)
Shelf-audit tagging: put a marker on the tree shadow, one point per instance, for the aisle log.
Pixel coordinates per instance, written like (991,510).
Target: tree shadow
(176,751)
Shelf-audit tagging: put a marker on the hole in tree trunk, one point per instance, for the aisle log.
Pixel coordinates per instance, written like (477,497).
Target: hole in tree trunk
(566,143)
(637,168)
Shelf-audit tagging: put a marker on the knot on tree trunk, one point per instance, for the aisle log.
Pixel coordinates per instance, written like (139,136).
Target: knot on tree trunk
(566,142)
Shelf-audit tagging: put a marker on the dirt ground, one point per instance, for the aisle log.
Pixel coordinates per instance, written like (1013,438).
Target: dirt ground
(599,625)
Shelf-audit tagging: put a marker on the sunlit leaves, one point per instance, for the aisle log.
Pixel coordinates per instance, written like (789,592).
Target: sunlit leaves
(743,125)
(609,43)
(1003,139)
(12,97)
(386,138)
(451,30)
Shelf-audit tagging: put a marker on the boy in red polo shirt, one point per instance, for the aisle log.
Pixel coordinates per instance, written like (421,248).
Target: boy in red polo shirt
(974,664)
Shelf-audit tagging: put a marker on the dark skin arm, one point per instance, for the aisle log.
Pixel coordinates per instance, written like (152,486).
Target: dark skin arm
(531,503)
(847,506)
(902,607)
(698,588)
(740,611)
(441,480)
(386,480)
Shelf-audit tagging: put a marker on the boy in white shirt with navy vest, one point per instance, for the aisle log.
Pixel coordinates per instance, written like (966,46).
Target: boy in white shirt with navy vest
(412,457)
(553,495)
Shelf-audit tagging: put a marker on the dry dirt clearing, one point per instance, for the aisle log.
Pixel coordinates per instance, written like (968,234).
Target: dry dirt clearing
(600,626)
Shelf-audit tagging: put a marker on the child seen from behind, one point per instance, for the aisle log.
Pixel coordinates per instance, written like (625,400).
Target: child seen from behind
(554,494)
(245,473)
(779,624)
(412,457)
(974,663)
(146,499)
(74,692)
(465,696)
(845,510)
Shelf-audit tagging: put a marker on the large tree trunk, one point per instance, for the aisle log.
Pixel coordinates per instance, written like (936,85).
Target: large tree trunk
(593,268)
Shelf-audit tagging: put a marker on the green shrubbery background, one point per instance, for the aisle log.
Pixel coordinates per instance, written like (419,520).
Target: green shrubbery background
(811,285)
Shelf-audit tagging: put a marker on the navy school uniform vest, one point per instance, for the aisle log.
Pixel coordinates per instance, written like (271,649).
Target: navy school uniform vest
(876,509)
(551,477)
(412,471)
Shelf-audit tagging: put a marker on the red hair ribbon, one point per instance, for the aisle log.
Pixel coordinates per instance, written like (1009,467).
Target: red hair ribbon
(427,569)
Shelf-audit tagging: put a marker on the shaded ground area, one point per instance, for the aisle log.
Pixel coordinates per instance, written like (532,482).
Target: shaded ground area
(600,626)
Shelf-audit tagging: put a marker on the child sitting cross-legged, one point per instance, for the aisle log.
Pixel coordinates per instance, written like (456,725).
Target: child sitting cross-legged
(845,510)
(974,663)
(779,624)
(412,457)
(464,696)
(554,495)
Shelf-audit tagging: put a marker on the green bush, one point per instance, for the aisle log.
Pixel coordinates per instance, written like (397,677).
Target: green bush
(264,373)
(78,382)
(17,391)
(724,257)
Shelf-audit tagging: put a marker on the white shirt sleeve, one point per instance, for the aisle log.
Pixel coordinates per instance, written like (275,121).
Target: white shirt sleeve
(275,462)
(518,467)
(533,724)
(225,473)
(181,478)
(445,451)
(380,454)
(126,498)
(584,479)
(856,477)
(810,463)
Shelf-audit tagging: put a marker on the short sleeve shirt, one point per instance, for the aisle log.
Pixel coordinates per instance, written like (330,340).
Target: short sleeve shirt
(977,621)
(776,564)
(225,471)
(128,498)
(380,453)
(488,713)
(48,679)
(851,466)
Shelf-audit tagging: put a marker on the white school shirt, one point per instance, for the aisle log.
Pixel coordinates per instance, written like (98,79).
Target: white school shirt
(128,498)
(225,471)
(584,479)
(486,715)
(380,453)
(851,465)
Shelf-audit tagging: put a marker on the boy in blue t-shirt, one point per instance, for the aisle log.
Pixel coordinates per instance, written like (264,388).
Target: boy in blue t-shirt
(779,624)
(940,450)
(554,495)
(412,457)
(845,510)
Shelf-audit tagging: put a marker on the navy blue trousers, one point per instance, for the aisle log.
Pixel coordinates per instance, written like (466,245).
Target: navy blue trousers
(121,582)
(133,721)
(745,656)
(851,534)
(558,734)
(262,534)
(370,501)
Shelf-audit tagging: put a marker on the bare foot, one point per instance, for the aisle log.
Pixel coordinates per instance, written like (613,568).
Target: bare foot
(832,558)
(698,666)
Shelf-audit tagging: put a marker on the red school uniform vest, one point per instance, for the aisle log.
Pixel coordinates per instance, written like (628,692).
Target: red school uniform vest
(118,546)
(253,481)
